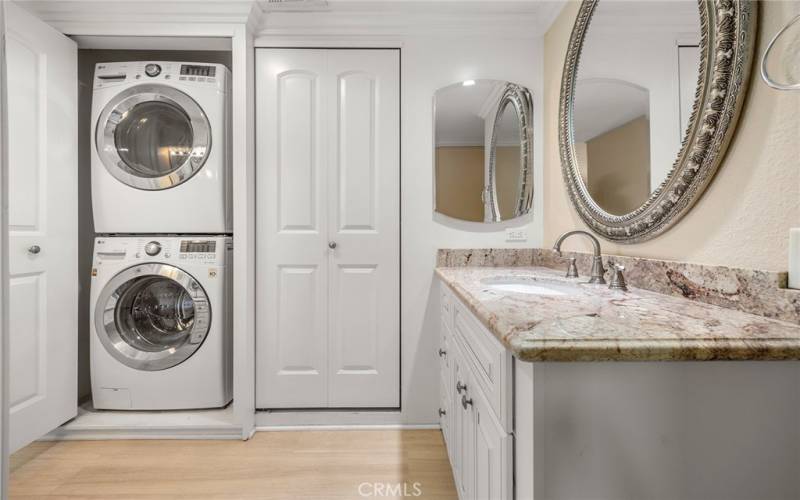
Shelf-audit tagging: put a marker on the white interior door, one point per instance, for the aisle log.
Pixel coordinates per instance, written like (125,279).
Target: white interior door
(363,116)
(43,228)
(291,252)
(328,228)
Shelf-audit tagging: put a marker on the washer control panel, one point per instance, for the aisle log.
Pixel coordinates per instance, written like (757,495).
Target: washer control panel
(176,250)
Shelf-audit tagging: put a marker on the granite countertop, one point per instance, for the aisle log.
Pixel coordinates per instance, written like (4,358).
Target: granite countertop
(598,324)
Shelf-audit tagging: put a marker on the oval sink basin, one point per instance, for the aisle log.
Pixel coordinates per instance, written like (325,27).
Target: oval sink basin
(530,286)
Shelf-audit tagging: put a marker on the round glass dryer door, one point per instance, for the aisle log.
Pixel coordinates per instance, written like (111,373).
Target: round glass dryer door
(153,137)
(152,316)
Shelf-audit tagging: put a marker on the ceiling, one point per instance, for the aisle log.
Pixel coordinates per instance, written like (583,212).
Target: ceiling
(516,17)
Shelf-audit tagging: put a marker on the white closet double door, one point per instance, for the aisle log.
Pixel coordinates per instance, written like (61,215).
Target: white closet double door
(328,228)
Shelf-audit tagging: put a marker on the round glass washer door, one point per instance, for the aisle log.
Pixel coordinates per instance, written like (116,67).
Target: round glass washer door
(153,137)
(152,316)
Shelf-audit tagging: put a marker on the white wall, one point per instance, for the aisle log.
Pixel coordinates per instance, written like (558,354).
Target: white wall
(429,61)
(427,64)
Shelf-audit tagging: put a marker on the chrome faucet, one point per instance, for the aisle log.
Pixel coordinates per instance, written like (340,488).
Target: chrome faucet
(597,261)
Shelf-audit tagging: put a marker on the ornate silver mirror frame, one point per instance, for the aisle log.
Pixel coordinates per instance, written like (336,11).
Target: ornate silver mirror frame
(520,98)
(727,38)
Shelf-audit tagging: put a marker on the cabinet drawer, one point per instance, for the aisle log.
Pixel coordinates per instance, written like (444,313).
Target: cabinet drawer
(490,362)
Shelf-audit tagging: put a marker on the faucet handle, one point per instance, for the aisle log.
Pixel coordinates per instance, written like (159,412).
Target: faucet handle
(617,278)
(572,268)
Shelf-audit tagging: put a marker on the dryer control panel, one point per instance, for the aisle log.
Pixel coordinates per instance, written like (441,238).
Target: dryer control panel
(180,73)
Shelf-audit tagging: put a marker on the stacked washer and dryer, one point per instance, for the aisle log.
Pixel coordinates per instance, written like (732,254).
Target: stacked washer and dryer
(161,325)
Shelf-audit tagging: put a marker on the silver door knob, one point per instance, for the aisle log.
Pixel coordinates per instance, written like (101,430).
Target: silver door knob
(34,249)
(332,245)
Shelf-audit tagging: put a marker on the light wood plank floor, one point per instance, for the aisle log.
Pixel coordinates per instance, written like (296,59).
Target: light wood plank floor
(323,465)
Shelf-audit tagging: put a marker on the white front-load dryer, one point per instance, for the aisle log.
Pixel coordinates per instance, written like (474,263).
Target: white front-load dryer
(160,148)
(161,323)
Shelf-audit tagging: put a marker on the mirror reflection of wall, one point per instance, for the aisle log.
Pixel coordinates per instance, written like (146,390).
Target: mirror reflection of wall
(461,150)
(635,89)
(508,156)
(474,183)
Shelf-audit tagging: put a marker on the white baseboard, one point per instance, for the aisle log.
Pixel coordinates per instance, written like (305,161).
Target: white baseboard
(338,419)
(350,427)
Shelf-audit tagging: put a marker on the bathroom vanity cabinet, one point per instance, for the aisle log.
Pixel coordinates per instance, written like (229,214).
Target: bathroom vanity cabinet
(594,422)
(476,411)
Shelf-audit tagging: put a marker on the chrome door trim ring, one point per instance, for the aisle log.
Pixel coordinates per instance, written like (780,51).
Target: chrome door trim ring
(116,346)
(124,101)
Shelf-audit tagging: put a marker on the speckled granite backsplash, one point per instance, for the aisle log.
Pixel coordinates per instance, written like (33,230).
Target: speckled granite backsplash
(756,292)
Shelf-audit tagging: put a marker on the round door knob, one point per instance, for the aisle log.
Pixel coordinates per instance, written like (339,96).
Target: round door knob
(34,249)
(152,248)
(466,402)
(332,245)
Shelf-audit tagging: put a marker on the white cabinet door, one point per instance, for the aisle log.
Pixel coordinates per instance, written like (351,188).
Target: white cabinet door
(43,231)
(328,232)
(462,429)
(492,454)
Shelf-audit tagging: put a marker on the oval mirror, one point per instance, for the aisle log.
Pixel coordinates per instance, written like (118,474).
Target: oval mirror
(649,98)
(483,151)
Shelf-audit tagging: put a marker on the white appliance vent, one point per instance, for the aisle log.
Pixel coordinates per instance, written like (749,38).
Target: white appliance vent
(293,5)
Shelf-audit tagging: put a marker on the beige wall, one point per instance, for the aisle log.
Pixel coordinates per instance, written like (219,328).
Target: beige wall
(459,181)
(618,168)
(744,216)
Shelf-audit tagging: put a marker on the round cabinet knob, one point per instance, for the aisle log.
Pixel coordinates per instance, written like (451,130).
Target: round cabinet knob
(152,248)
(34,249)
(442,353)
(460,387)
(152,70)
(466,402)
(442,412)
(332,245)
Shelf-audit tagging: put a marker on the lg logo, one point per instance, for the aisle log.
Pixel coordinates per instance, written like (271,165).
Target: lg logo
(393,490)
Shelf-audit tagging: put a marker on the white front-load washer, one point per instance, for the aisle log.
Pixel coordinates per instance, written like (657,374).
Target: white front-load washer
(161,148)
(161,323)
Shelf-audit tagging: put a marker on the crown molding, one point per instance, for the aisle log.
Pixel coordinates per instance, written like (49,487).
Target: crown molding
(509,19)
(309,18)
(64,13)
